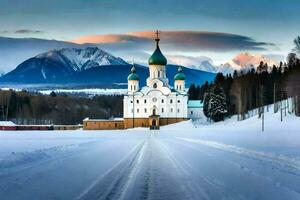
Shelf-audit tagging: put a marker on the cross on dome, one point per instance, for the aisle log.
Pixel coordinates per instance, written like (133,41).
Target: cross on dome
(157,58)
(157,35)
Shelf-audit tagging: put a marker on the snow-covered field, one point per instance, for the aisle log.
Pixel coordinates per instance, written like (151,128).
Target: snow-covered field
(228,160)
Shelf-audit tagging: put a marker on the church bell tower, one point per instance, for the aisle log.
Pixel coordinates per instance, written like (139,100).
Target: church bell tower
(157,65)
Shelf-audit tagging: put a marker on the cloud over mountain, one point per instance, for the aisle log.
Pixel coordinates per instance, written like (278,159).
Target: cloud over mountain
(190,41)
(28,31)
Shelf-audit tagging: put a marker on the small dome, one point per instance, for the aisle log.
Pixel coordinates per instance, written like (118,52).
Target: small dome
(180,75)
(133,76)
(157,58)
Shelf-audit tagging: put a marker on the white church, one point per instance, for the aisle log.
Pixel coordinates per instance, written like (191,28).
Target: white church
(154,105)
(158,103)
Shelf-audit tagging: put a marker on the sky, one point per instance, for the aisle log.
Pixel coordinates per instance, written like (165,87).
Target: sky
(218,29)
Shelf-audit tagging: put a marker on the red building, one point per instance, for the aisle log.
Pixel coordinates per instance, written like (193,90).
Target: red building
(7,126)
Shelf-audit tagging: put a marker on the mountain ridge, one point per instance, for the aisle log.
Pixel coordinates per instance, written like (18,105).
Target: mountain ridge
(246,61)
(90,65)
(241,62)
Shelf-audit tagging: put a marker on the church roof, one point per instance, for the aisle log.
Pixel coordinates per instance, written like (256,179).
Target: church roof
(133,76)
(180,75)
(157,58)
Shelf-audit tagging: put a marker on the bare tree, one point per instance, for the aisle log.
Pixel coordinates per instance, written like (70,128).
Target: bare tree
(4,103)
(297,44)
(239,92)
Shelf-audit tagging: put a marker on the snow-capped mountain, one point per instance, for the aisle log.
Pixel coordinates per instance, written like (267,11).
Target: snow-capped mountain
(241,62)
(207,66)
(200,62)
(245,62)
(59,65)
(82,59)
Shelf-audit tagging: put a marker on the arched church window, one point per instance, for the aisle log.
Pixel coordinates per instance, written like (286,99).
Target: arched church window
(145,101)
(158,74)
(180,87)
(171,100)
(162,110)
(145,110)
(130,87)
(134,87)
(155,85)
(154,112)
(137,101)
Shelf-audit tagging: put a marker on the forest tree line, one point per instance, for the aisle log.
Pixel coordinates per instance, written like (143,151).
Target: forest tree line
(33,108)
(244,91)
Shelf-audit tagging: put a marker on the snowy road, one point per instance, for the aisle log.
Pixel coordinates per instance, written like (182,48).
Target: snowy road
(146,165)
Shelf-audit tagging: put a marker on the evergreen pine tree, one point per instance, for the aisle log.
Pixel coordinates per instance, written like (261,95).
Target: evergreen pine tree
(53,94)
(192,92)
(217,108)
(206,101)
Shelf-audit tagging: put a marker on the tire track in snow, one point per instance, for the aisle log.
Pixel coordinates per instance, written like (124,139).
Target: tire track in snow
(16,174)
(245,169)
(20,161)
(158,179)
(192,190)
(148,180)
(281,162)
(216,185)
(115,183)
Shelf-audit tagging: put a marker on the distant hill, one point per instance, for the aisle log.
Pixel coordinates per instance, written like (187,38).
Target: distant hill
(117,74)
(88,66)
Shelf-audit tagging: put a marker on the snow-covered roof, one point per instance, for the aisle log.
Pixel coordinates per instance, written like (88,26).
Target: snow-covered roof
(103,120)
(7,123)
(195,104)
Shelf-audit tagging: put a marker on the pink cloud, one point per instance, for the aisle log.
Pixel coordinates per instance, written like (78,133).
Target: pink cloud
(179,41)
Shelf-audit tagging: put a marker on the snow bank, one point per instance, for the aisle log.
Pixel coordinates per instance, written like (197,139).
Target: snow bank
(180,125)
(89,91)
(7,123)
(272,122)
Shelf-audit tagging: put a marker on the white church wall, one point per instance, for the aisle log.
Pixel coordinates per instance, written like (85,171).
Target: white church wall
(179,85)
(195,113)
(167,106)
(133,86)
(157,72)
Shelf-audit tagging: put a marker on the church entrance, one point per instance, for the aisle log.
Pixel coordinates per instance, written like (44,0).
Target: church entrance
(154,122)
